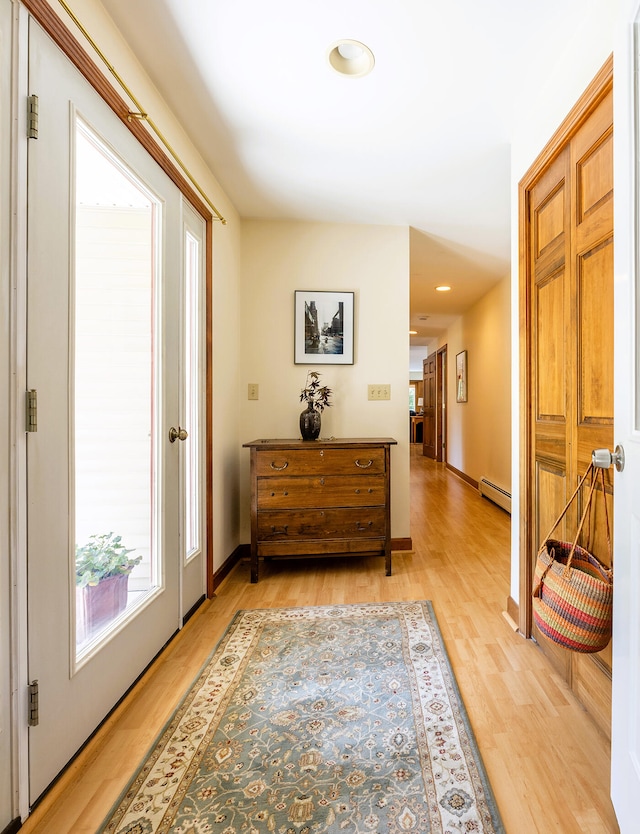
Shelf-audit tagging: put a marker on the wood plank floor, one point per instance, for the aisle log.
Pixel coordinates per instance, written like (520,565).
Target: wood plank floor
(547,762)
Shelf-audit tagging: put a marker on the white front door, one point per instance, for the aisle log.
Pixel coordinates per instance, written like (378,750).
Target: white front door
(108,328)
(625,741)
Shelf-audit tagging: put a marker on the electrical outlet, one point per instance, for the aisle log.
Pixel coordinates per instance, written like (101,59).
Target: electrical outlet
(253,391)
(381,391)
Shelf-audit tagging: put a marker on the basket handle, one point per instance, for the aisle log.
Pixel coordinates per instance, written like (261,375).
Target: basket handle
(586,511)
(606,515)
(590,471)
(538,587)
(569,502)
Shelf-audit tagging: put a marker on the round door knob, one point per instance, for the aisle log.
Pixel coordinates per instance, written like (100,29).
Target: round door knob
(177,434)
(603,458)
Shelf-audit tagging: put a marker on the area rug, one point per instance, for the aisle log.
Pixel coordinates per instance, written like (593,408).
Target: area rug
(342,718)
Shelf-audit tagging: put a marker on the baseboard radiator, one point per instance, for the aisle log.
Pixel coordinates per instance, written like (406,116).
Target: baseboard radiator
(495,493)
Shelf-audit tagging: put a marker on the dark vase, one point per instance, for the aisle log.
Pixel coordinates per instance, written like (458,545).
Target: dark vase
(310,424)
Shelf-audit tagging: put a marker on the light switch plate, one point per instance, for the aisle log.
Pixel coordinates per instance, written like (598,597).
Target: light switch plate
(382,391)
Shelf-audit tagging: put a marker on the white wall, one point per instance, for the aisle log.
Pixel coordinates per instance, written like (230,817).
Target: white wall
(417,355)
(479,430)
(556,83)
(281,257)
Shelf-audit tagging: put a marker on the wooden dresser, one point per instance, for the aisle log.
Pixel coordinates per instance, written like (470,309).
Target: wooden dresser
(320,497)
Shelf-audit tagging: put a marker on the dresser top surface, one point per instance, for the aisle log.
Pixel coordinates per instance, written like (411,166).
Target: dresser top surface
(321,443)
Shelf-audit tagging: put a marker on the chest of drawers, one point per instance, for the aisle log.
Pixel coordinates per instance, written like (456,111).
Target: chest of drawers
(318,498)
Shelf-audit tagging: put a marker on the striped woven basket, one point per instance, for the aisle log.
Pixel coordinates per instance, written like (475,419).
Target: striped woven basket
(573,590)
(573,603)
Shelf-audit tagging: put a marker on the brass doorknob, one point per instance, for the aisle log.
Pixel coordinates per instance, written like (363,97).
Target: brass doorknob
(177,434)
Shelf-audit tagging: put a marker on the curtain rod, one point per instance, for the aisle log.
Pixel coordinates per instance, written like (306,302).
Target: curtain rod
(141,114)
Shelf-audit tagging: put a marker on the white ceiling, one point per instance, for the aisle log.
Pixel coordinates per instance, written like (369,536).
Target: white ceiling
(422,141)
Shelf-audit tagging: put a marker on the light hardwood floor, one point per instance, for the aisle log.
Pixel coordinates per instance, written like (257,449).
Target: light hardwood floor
(547,762)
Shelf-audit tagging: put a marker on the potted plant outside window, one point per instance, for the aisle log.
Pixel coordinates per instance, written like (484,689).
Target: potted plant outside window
(103,566)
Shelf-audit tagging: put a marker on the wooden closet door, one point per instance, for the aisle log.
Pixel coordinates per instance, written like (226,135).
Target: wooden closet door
(430,406)
(568,339)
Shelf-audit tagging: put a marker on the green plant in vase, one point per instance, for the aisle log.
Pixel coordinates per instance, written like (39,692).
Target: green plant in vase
(317,397)
(103,566)
(102,557)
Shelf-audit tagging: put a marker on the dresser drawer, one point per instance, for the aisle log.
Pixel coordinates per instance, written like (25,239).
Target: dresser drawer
(321,547)
(348,523)
(318,461)
(326,491)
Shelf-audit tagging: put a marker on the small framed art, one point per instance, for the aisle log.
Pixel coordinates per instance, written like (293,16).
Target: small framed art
(323,327)
(461,376)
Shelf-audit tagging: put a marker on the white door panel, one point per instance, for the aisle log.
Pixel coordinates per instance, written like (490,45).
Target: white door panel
(625,747)
(78,689)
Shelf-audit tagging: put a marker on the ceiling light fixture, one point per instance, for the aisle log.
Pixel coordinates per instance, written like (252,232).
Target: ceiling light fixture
(351,58)
(443,288)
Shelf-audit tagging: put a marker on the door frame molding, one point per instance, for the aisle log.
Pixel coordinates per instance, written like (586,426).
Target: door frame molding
(71,47)
(599,87)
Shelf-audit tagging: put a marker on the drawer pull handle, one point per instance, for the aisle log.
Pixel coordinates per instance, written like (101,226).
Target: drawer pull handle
(357,492)
(283,531)
(279,468)
(321,481)
(363,465)
(363,528)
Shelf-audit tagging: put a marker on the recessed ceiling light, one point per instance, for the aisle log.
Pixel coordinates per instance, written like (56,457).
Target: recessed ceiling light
(351,58)
(443,288)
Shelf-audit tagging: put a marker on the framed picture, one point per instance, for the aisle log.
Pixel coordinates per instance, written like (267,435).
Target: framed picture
(461,376)
(323,327)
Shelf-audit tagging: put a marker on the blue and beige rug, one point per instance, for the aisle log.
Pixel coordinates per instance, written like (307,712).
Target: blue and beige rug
(343,718)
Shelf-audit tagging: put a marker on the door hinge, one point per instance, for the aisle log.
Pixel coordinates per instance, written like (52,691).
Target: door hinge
(32,117)
(32,410)
(34,699)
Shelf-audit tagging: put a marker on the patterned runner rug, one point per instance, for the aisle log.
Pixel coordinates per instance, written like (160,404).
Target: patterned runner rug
(343,718)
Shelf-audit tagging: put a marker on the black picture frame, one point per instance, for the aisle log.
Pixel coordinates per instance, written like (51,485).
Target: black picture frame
(323,327)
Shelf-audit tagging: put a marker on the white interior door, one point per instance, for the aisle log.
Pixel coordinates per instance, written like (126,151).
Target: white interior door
(103,353)
(625,749)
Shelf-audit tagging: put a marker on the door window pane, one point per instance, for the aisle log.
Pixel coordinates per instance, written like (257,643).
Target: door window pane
(114,390)
(192,396)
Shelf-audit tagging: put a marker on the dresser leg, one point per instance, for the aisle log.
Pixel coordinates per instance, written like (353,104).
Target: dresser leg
(254,567)
(387,562)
